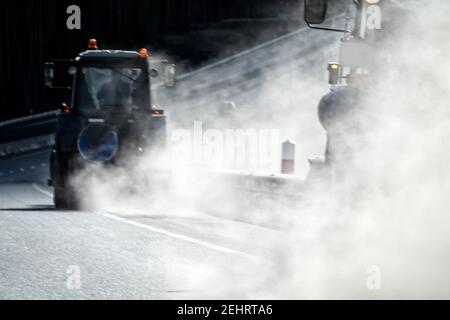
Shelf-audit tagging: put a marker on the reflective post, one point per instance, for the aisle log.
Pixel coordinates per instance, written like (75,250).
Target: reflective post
(288,157)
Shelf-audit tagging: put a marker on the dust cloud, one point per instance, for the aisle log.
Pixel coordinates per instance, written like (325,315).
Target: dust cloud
(379,229)
(376,227)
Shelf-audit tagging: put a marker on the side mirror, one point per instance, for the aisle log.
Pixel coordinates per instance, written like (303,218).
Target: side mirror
(315,11)
(49,74)
(169,75)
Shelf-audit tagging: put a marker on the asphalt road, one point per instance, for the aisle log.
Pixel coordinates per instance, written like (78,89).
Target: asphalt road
(50,254)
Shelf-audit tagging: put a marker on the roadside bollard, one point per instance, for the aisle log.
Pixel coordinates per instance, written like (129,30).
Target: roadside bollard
(288,157)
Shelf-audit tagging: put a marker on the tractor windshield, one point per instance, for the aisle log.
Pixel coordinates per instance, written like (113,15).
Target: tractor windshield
(102,89)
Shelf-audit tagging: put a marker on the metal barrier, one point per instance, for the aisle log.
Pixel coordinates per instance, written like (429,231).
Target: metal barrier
(27,133)
(260,199)
(28,118)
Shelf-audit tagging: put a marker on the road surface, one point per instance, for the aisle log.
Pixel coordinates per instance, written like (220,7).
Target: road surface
(44,250)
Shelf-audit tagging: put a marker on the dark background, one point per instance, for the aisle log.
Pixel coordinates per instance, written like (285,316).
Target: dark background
(190,32)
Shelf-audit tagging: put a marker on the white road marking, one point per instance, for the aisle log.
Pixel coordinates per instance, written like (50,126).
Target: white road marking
(176,236)
(22,169)
(47,193)
(160,231)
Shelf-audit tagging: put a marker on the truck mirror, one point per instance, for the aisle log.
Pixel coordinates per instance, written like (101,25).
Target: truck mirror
(49,74)
(315,11)
(169,75)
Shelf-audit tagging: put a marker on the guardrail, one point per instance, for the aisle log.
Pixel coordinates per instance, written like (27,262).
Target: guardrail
(261,199)
(28,118)
(26,145)
(27,133)
(28,127)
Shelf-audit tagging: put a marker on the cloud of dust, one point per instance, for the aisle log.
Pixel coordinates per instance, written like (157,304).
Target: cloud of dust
(377,230)
(380,228)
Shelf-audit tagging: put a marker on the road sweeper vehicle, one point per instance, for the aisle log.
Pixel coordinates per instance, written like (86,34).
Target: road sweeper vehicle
(370,27)
(110,117)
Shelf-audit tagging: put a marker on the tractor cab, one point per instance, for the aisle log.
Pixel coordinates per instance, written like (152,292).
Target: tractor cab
(110,117)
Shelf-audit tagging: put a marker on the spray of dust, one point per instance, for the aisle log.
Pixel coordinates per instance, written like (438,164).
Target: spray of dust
(379,229)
